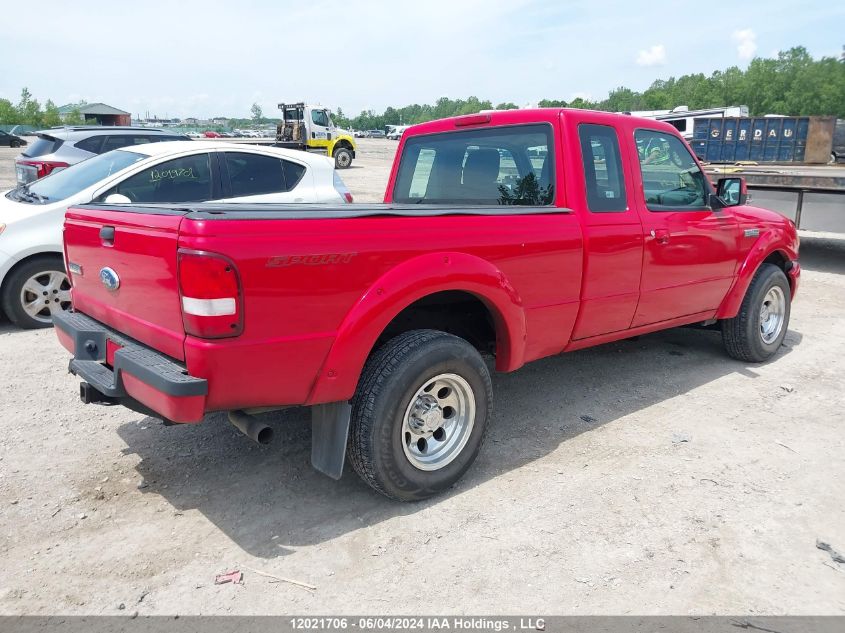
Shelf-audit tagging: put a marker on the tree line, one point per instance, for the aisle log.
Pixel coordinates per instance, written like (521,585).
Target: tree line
(28,111)
(793,83)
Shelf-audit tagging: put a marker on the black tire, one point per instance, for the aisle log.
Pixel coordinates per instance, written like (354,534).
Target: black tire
(12,300)
(342,158)
(14,143)
(742,335)
(391,378)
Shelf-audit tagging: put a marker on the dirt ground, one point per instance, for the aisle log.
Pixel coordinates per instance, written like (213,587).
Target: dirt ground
(650,476)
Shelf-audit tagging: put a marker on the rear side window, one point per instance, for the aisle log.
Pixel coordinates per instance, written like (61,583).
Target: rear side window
(185,179)
(293,173)
(254,174)
(117,141)
(91,144)
(488,166)
(603,176)
(42,146)
(672,180)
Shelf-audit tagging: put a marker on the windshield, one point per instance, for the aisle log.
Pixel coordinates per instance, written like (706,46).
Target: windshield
(70,181)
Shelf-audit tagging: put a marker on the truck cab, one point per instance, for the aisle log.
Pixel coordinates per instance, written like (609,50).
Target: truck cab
(311,128)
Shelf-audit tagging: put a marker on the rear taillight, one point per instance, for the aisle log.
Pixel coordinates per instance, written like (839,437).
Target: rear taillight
(210,292)
(340,187)
(44,167)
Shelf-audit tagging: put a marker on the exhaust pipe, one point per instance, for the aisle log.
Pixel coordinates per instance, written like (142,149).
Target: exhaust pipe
(251,426)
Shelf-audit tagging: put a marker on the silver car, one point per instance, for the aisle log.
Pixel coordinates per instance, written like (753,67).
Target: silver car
(57,148)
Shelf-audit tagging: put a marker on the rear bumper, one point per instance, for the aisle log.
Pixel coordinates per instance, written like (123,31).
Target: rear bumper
(125,372)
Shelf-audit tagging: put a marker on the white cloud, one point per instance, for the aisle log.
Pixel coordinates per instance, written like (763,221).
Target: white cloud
(654,56)
(746,43)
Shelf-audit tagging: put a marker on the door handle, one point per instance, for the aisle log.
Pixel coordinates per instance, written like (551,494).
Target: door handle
(107,235)
(661,236)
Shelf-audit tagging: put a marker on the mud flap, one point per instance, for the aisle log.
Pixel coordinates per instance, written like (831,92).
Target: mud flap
(329,430)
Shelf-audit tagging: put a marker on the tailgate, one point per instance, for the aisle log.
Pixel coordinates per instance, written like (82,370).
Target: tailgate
(122,266)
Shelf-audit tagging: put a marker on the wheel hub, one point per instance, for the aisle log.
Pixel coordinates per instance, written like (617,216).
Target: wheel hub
(45,294)
(426,415)
(772,314)
(438,422)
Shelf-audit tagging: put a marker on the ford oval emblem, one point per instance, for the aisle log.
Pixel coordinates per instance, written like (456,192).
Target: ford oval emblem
(109,278)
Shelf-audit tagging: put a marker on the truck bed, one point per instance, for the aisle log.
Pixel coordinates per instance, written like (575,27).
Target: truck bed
(308,280)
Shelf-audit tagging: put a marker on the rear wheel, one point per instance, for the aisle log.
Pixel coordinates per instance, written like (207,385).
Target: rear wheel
(14,143)
(35,291)
(419,415)
(342,157)
(756,333)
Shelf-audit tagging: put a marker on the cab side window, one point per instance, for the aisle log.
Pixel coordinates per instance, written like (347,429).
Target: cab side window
(604,179)
(672,180)
(185,179)
(319,117)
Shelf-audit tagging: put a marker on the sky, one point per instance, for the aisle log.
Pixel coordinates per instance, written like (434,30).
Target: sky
(207,58)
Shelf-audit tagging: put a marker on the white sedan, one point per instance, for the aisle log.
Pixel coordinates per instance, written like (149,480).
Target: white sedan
(33,285)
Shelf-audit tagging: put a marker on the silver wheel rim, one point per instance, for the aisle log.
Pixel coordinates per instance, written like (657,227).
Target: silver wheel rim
(343,159)
(438,422)
(772,314)
(45,294)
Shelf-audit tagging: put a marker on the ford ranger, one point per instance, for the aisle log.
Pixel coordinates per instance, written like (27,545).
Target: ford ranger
(509,236)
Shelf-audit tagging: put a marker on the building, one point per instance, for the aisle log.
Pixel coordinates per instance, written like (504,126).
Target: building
(96,114)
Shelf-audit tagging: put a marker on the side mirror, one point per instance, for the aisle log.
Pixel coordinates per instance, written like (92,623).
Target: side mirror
(117,198)
(732,191)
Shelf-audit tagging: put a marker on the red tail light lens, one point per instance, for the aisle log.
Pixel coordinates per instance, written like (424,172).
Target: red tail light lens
(44,167)
(210,293)
(340,187)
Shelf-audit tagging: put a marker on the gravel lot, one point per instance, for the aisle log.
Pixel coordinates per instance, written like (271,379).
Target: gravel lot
(650,476)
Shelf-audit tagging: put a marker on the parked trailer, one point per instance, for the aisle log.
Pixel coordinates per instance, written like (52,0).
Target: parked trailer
(683,119)
(812,196)
(804,140)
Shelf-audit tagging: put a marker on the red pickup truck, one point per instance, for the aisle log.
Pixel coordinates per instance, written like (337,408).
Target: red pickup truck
(513,235)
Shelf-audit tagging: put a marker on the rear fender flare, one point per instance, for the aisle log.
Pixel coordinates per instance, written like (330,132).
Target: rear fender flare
(769,242)
(399,288)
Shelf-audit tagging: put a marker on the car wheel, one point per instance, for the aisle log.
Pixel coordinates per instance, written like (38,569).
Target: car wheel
(419,415)
(14,143)
(342,158)
(756,333)
(35,291)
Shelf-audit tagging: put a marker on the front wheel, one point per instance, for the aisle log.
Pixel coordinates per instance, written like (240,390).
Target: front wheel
(756,333)
(35,291)
(14,143)
(342,158)
(419,415)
